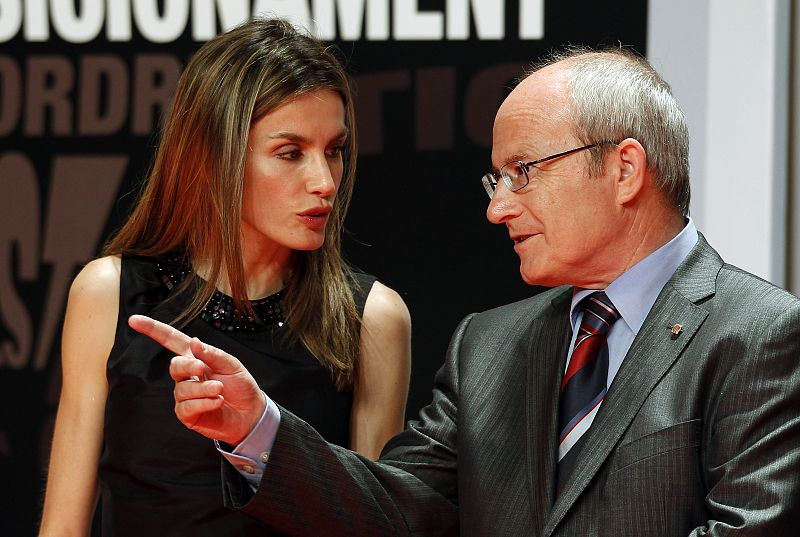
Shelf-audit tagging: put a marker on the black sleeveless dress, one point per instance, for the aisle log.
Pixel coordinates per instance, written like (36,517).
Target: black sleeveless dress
(157,478)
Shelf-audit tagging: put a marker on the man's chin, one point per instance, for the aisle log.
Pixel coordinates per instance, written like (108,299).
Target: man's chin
(539,278)
(529,277)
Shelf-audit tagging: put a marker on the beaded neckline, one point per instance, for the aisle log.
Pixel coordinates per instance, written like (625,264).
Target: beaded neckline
(220,311)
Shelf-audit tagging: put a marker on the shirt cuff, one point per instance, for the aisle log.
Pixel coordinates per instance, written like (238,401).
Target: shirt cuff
(251,455)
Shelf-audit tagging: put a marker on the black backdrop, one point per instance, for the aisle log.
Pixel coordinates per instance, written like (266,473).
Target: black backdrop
(77,124)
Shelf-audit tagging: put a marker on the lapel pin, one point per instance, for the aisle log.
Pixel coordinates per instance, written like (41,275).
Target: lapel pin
(675,329)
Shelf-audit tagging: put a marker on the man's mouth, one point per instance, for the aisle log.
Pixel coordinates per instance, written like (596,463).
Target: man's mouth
(520,238)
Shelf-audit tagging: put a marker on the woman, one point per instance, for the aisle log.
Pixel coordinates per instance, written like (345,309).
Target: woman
(235,239)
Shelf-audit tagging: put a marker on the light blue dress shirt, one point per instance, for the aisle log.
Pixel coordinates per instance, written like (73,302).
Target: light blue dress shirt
(633,294)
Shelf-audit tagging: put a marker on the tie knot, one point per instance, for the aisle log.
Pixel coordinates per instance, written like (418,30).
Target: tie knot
(598,312)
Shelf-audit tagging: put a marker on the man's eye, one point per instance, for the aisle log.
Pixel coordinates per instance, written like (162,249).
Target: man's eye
(517,169)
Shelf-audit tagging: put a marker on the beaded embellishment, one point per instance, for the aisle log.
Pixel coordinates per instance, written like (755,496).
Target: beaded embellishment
(220,311)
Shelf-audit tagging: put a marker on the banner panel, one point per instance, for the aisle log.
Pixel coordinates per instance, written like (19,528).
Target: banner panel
(83,85)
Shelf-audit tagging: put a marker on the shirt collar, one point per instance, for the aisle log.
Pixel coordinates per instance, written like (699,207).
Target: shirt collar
(635,291)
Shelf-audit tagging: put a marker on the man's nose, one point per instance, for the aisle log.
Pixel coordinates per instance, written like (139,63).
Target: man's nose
(503,206)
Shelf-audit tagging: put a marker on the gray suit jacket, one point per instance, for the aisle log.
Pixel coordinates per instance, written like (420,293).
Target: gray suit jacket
(699,433)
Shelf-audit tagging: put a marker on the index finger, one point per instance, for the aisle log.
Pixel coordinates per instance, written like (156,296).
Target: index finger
(167,336)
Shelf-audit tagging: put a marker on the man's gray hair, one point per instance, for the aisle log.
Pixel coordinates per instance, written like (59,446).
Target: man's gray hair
(616,94)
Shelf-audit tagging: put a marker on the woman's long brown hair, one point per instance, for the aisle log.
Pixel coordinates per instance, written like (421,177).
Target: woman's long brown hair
(191,201)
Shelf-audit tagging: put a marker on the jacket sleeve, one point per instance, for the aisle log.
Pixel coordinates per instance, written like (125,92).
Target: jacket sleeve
(311,487)
(752,458)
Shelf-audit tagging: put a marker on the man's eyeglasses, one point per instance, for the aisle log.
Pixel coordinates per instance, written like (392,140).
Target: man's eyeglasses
(515,173)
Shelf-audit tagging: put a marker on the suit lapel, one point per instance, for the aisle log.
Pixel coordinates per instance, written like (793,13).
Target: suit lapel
(652,353)
(549,338)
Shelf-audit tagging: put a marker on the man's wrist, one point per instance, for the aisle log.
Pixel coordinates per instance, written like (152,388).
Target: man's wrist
(250,456)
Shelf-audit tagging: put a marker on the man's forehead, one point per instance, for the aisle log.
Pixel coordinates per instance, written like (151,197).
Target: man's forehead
(515,135)
(525,123)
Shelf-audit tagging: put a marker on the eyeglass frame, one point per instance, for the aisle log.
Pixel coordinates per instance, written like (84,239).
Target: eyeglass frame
(490,181)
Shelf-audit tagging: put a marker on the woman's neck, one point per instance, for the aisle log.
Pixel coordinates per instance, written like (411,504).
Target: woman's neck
(265,271)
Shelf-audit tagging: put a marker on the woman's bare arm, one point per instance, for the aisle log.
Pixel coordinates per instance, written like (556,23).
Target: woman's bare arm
(89,330)
(383,372)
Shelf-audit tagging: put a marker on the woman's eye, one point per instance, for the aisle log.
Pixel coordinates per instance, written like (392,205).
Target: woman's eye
(334,152)
(294,154)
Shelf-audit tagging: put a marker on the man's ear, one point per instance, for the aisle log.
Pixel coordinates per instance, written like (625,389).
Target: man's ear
(630,162)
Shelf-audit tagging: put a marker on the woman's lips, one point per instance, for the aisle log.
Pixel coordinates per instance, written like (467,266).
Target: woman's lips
(315,218)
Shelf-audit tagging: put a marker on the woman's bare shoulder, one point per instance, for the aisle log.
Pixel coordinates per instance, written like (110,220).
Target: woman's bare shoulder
(100,277)
(385,305)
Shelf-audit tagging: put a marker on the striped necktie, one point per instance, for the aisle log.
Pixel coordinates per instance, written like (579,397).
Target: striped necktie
(584,384)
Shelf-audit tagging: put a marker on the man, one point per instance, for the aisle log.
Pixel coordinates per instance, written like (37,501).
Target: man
(666,405)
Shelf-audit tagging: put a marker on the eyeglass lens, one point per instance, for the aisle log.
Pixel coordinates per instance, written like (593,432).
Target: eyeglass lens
(489,184)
